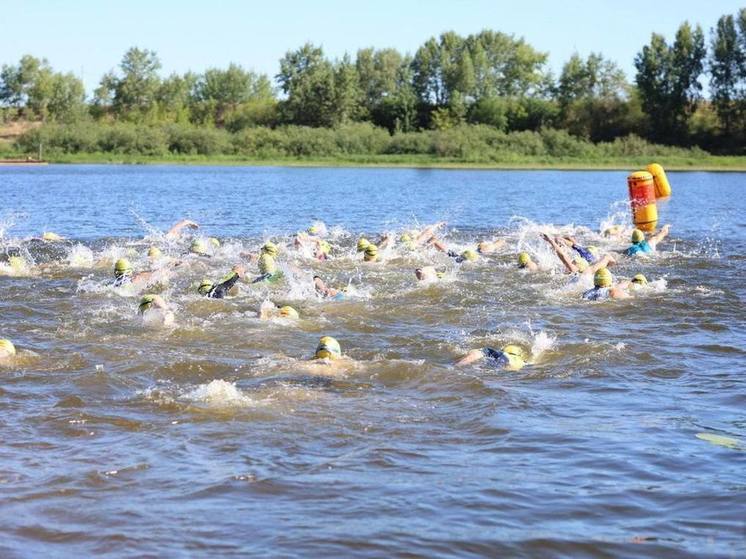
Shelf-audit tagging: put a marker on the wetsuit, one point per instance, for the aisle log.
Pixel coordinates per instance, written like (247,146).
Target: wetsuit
(584,253)
(269,277)
(597,294)
(637,248)
(123,279)
(220,290)
(498,357)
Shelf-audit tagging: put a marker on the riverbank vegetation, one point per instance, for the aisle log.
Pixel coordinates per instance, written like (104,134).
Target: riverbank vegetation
(484,99)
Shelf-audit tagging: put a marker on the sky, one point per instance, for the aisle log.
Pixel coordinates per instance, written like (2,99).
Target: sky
(89,37)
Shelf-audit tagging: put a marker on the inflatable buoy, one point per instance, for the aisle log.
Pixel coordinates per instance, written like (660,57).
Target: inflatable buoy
(662,186)
(642,200)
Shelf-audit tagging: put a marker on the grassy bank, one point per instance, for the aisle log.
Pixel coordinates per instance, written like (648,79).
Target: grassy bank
(353,145)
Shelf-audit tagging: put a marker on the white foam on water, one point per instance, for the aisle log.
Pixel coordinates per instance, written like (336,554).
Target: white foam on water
(219,393)
(80,256)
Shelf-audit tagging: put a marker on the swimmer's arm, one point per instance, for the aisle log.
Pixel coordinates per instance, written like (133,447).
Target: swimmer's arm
(659,236)
(175,231)
(472,357)
(438,245)
(220,290)
(560,254)
(620,292)
(385,241)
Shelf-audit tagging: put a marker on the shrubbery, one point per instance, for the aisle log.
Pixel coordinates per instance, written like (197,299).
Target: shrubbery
(468,143)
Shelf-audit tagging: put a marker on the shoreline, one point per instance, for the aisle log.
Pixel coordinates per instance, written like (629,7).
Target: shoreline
(710,164)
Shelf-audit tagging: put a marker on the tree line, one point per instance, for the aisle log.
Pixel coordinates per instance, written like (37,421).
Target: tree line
(490,78)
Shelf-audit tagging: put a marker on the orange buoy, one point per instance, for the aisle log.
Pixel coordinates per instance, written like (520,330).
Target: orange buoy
(642,199)
(662,186)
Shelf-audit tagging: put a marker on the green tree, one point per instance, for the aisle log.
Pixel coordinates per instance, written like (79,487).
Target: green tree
(727,66)
(222,91)
(668,81)
(307,80)
(132,94)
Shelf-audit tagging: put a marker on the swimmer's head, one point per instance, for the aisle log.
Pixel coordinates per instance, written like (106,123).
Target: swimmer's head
(154,252)
(204,287)
(581,263)
(270,248)
(602,278)
(267,264)
(51,237)
(199,246)
(371,253)
(483,247)
(523,260)
(146,303)
(640,279)
(362,244)
(469,255)
(405,238)
(313,230)
(7,349)
(122,267)
(288,312)
(17,263)
(514,350)
(613,230)
(325,247)
(637,236)
(328,348)
(595,252)
(214,242)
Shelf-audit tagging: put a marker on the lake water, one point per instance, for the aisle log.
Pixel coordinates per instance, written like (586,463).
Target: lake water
(624,436)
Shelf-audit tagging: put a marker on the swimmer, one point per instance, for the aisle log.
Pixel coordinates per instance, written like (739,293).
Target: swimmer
(154,311)
(200,247)
(511,357)
(603,287)
(154,253)
(268,270)
(371,253)
(490,247)
(327,292)
(525,262)
(220,290)
(51,237)
(590,254)
(270,249)
(327,359)
(124,274)
(16,265)
(428,274)
(642,246)
(614,231)
(362,244)
(577,265)
(468,255)
(177,229)
(7,350)
(269,310)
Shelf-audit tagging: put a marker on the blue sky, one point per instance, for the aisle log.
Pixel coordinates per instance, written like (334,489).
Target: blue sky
(88,37)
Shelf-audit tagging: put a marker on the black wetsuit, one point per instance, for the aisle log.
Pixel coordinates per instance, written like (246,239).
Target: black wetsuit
(221,290)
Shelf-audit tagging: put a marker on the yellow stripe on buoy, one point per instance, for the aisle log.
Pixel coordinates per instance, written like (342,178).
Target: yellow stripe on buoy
(662,186)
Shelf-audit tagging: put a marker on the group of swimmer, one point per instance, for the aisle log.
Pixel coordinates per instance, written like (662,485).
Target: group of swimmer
(579,261)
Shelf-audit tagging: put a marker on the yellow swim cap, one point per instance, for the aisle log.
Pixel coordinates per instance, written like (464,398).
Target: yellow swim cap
(523,259)
(594,251)
(154,252)
(514,350)
(371,253)
(469,255)
(146,302)
(271,249)
(638,236)
(313,229)
(267,264)
(581,263)
(602,278)
(199,247)
(214,242)
(122,267)
(325,247)
(17,263)
(641,279)
(7,347)
(328,348)
(204,287)
(405,238)
(613,230)
(289,312)
(362,244)
(49,236)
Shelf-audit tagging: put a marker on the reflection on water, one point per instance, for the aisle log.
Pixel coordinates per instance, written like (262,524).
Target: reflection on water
(624,436)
